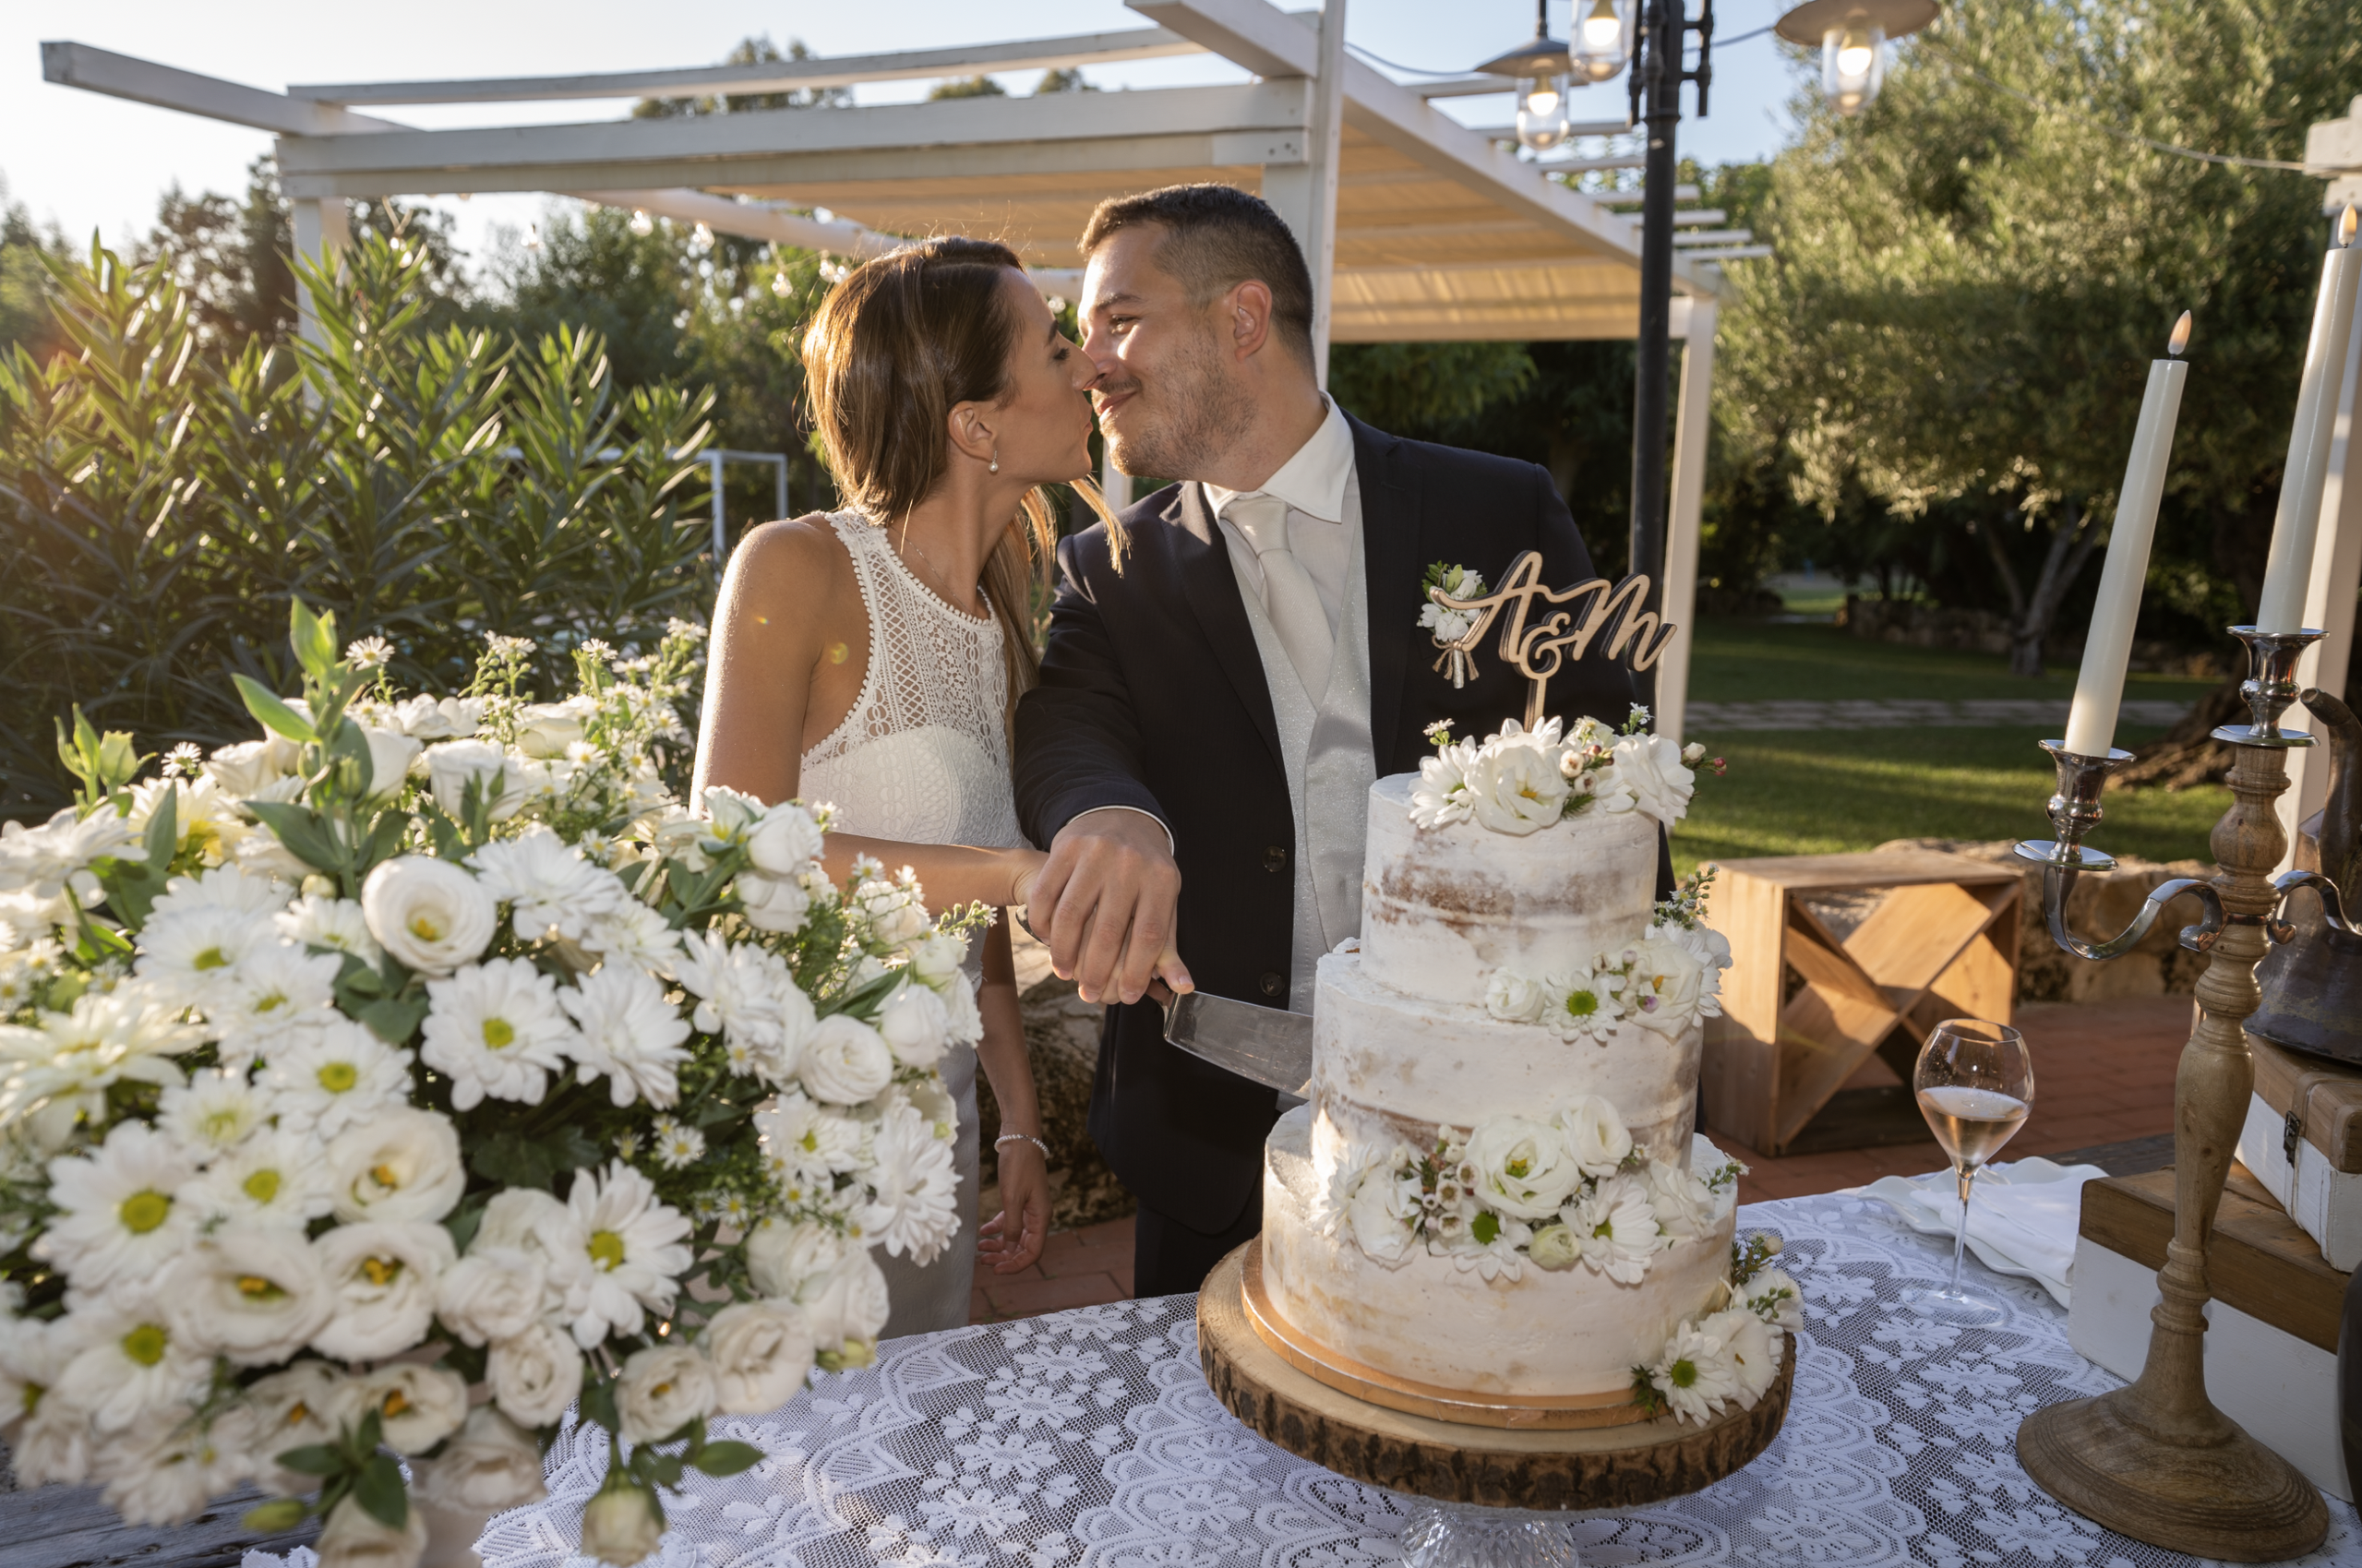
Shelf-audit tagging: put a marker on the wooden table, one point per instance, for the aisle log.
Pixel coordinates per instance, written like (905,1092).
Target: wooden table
(1942,943)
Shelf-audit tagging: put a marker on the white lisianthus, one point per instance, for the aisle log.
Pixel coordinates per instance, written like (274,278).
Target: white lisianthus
(161,1472)
(966,1027)
(1385,1219)
(120,1220)
(748,996)
(1513,998)
(1584,1003)
(915,1024)
(662,1389)
(620,1524)
(496,1029)
(1555,1248)
(1618,1229)
(1685,1206)
(1667,986)
(249,770)
(352,1538)
(1775,1297)
(1595,1135)
(492,1293)
(1515,789)
(530,1221)
(402,1164)
(546,729)
(53,1446)
(761,1352)
(634,1246)
(336,924)
(848,1305)
(785,1259)
(630,1034)
(1695,1374)
(1712,951)
(534,1375)
(1753,1349)
(916,1184)
(490,1465)
(785,842)
(452,764)
(940,958)
(846,1061)
(252,1294)
(390,755)
(428,914)
(383,1275)
(214,1112)
(431,718)
(1650,778)
(309,1403)
(417,1406)
(1523,1168)
(327,1079)
(547,883)
(773,904)
(274,1179)
(128,1364)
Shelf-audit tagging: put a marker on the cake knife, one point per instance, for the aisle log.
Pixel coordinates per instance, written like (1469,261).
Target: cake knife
(1262,1043)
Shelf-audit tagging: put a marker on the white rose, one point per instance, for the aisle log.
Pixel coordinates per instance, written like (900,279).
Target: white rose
(1649,771)
(938,959)
(1666,988)
(1595,1135)
(353,1538)
(1751,1347)
(383,1276)
(967,1019)
(417,1406)
(1712,951)
(452,763)
(253,1295)
(846,1062)
(785,842)
(493,1293)
(400,1164)
(1523,1168)
(535,1375)
(247,769)
(491,1465)
(1379,1226)
(915,1024)
(773,904)
(1515,789)
(390,754)
(546,729)
(1513,998)
(662,1389)
(762,1353)
(846,1304)
(783,1258)
(620,1525)
(429,914)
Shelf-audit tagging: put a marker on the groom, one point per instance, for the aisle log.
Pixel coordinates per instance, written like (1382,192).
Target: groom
(1215,705)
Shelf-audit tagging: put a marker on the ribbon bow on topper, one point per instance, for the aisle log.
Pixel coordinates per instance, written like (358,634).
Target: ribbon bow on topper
(1540,644)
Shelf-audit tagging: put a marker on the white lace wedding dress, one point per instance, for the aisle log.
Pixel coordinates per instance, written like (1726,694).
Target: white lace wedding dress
(923,757)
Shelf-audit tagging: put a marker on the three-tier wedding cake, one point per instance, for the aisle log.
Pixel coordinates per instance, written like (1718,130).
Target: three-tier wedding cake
(1495,1189)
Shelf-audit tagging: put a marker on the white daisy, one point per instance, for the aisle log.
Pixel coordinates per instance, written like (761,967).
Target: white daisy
(496,1029)
(630,1034)
(127,1361)
(214,1112)
(1696,1374)
(323,1081)
(272,993)
(26,971)
(273,1178)
(678,1145)
(336,924)
(634,1245)
(912,1209)
(1618,1228)
(224,888)
(546,884)
(748,996)
(66,1061)
(806,1138)
(1583,1005)
(634,933)
(122,1223)
(190,954)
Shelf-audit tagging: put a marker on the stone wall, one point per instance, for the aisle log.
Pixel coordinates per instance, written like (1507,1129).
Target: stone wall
(1063,1037)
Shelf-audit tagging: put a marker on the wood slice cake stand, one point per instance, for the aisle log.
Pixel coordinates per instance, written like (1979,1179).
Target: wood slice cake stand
(1533,1467)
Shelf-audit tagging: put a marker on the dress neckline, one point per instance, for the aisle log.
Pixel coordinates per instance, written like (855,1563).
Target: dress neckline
(886,547)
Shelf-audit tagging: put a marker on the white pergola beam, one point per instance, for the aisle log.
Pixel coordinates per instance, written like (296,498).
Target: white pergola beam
(756,221)
(144,81)
(778,75)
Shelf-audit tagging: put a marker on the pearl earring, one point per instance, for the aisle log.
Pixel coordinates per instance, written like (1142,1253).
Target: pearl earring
(994,467)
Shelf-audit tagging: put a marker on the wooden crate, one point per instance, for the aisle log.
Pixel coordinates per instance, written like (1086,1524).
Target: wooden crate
(1942,943)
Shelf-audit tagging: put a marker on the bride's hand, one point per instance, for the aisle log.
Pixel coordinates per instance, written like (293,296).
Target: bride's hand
(1024,1196)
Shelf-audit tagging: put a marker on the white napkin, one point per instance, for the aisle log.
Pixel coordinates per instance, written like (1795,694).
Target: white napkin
(2023,1220)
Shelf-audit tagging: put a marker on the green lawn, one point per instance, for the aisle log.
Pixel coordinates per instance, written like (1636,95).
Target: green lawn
(1823,791)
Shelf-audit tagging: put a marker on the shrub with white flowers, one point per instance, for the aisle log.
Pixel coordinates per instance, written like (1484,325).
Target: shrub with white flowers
(426,1044)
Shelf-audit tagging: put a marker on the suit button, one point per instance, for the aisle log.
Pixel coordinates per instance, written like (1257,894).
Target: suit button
(1275,859)
(1272,984)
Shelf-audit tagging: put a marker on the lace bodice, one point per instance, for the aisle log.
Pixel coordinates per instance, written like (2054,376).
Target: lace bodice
(923,755)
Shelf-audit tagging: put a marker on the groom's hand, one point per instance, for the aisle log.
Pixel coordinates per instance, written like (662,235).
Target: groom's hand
(1104,904)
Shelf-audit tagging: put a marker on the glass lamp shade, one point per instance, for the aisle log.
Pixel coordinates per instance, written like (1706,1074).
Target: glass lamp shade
(1603,43)
(1852,64)
(1542,111)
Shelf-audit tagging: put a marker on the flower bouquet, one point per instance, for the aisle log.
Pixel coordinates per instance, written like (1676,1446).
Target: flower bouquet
(375,1090)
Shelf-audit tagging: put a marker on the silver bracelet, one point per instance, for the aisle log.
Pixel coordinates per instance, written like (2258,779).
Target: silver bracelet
(1024,1138)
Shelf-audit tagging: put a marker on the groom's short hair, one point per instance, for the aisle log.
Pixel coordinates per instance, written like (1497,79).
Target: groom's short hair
(1216,237)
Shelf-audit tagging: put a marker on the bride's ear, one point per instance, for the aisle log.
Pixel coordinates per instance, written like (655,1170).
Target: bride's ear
(972,433)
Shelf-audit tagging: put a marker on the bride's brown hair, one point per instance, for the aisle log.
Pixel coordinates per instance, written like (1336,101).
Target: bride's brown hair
(892,350)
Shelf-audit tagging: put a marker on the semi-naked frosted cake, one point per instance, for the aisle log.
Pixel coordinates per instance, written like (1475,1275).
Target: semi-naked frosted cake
(1495,1189)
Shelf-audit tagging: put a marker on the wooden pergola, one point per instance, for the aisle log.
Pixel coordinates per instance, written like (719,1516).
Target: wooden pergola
(1418,228)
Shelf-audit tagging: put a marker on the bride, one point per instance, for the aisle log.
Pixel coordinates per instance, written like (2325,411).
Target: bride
(871,657)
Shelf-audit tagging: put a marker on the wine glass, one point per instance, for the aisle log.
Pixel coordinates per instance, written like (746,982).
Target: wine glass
(1975,1083)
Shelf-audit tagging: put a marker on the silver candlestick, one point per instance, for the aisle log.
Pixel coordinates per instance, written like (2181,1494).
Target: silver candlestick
(2074,812)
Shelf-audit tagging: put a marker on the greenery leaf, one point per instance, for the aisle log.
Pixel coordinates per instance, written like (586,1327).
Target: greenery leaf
(273,714)
(728,1458)
(312,1459)
(511,1158)
(304,831)
(598,1403)
(393,1019)
(379,1490)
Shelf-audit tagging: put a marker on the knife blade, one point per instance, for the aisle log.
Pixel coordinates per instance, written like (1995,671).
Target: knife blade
(1263,1043)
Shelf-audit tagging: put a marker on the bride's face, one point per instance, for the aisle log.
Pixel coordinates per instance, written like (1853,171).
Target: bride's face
(1044,419)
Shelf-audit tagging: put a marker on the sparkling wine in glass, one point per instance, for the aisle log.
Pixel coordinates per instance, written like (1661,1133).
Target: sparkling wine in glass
(1975,1083)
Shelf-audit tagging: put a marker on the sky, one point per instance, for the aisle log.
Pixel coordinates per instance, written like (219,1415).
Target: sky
(86,162)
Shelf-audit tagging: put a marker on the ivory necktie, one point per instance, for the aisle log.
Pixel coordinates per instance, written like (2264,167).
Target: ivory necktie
(1288,596)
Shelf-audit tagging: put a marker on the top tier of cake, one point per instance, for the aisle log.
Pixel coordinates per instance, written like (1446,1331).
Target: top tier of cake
(1442,908)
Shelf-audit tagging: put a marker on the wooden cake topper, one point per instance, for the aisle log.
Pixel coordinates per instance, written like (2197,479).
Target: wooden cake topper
(1540,645)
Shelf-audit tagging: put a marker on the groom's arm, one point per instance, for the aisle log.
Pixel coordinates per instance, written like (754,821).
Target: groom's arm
(1104,901)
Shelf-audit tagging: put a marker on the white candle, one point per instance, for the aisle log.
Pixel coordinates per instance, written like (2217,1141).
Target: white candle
(2090,723)
(2289,569)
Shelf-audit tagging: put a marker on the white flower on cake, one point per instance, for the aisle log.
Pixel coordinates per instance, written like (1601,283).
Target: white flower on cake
(1515,998)
(1651,778)
(1775,1298)
(1696,1376)
(1664,980)
(1516,788)
(1596,1138)
(1441,796)
(1683,1204)
(1618,1228)
(1666,986)
(1753,1349)
(1583,1005)
(1524,1169)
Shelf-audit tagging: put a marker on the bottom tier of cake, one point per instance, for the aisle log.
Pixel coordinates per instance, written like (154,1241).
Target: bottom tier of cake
(1438,1320)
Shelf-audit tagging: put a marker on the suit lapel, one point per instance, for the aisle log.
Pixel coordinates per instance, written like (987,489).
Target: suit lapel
(1390,547)
(1212,589)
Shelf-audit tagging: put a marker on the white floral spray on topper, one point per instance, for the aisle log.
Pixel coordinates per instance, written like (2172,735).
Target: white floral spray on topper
(1459,611)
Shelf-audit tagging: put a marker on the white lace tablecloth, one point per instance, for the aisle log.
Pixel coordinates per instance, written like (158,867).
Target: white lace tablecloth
(1087,1439)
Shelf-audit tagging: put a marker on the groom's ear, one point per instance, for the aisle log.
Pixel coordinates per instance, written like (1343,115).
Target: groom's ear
(1246,318)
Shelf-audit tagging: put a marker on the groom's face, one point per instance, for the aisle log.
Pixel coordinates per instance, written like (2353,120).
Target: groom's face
(1162,394)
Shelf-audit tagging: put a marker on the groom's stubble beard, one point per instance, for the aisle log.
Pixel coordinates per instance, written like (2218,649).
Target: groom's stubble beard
(1191,415)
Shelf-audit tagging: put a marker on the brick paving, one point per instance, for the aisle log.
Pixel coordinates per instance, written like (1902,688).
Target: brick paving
(2103,1074)
(1912,713)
